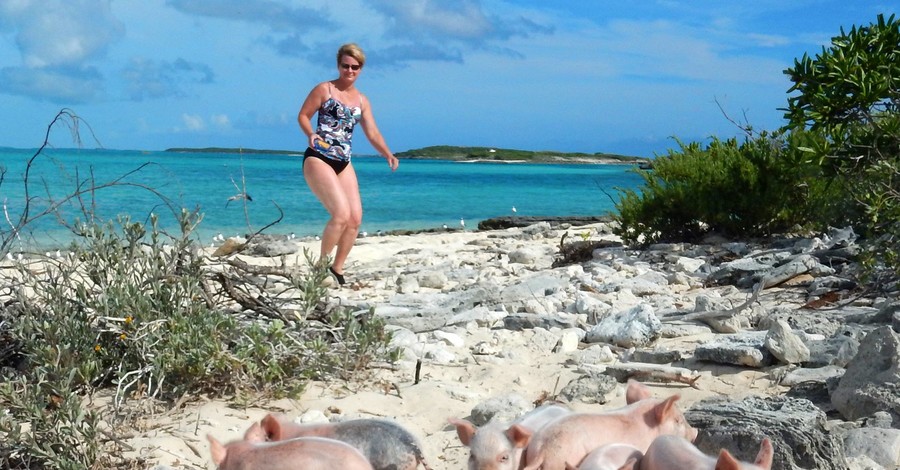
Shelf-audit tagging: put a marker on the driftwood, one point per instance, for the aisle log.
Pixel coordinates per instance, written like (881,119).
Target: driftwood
(257,304)
(247,283)
(259,270)
(662,376)
(719,314)
(652,373)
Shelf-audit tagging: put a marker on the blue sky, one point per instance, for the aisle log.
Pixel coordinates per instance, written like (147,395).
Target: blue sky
(569,75)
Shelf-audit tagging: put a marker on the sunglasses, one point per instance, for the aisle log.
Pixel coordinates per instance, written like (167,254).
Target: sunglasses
(350,67)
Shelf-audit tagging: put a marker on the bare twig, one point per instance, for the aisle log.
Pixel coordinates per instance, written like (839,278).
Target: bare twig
(745,128)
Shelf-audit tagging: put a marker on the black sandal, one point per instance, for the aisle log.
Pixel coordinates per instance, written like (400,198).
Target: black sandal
(337,277)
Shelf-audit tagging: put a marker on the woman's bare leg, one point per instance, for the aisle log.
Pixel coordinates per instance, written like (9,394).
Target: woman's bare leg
(339,194)
(348,236)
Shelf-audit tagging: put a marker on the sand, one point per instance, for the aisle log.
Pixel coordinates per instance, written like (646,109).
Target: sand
(177,438)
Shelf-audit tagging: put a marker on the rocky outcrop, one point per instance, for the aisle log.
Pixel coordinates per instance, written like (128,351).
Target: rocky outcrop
(796,427)
(781,308)
(500,223)
(872,380)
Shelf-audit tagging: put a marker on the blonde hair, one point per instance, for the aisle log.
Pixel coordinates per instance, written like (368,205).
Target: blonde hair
(352,50)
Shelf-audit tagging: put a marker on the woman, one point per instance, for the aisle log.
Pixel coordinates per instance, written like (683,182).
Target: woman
(326,163)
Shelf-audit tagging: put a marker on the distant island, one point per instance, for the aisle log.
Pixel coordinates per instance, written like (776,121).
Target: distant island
(462,154)
(493,154)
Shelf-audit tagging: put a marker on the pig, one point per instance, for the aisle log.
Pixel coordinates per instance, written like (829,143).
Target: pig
(675,453)
(309,453)
(609,457)
(256,433)
(385,443)
(570,438)
(495,446)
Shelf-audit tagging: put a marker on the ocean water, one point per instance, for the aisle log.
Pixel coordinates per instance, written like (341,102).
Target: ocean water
(421,194)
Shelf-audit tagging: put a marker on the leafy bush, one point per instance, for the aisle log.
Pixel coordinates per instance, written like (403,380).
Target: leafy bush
(753,188)
(850,92)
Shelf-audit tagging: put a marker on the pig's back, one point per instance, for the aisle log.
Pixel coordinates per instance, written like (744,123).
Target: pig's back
(541,416)
(331,454)
(675,453)
(309,453)
(569,438)
(386,444)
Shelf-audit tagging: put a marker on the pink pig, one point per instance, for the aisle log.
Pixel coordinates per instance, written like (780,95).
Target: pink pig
(386,444)
(609,457)
(675,453)
(496,447)
(570,438)
(309,453)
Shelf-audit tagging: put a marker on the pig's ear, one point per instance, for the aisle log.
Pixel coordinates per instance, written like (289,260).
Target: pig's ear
(272,427)
(464,429)
(636,391)
(666,408)
(630,464)
(217,450)
(727,461)
(765,455)
(518,435)
(255,433)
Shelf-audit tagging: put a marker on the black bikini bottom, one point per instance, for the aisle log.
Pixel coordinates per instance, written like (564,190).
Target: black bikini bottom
(336,165)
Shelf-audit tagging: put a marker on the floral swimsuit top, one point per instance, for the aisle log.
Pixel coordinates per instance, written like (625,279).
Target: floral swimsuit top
(335,125)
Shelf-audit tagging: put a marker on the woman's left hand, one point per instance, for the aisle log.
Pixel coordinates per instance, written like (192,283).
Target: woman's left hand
(392,162)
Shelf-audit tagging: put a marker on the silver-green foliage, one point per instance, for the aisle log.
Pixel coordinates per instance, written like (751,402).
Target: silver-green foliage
(44,425)
(135,310)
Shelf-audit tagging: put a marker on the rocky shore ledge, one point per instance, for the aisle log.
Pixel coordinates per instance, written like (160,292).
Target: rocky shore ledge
(760,340)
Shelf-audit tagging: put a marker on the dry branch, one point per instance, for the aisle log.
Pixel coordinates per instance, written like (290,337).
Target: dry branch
(720,314)
(246,301)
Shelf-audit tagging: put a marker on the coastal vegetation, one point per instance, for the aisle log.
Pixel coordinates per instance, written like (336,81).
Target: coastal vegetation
(836,162)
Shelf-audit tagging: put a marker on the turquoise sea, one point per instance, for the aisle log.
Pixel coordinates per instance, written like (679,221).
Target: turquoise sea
(421,194)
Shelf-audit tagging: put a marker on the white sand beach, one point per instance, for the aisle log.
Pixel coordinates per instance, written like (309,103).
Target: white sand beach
(524,362)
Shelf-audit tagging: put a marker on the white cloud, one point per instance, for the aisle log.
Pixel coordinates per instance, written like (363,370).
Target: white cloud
(193,122)
(769,40)
(221,121)
(50,84)
(62,32)
(257,120)
(57,41)
(147,78)
(465,19)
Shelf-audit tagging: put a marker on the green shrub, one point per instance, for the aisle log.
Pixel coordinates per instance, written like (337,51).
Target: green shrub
(757,187)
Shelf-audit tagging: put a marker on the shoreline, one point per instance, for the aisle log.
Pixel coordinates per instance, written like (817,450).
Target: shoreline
(542,161)
(50,243)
